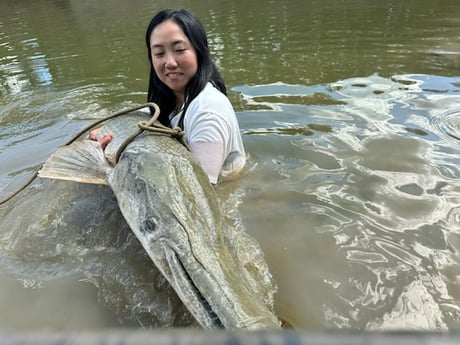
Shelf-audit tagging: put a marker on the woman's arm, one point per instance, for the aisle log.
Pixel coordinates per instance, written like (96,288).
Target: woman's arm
(208,140)
(211,157)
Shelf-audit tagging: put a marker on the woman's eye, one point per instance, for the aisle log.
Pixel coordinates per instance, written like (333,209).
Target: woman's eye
(180,50)
(158,54)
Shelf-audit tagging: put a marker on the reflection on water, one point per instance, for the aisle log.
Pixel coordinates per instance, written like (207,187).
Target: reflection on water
(350,115)
(370,176)
(448,123)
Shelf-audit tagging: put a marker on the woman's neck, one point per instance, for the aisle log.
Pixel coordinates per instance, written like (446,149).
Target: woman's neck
(179,102)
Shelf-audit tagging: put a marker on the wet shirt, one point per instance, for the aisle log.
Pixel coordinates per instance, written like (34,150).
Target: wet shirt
(212,132)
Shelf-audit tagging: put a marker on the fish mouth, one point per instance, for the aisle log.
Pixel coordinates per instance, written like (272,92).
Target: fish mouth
(218,298)
(189,293)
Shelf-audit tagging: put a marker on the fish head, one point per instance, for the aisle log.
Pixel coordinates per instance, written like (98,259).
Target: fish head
(173,210)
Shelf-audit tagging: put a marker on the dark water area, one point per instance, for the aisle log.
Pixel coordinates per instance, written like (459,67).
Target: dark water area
(350,112)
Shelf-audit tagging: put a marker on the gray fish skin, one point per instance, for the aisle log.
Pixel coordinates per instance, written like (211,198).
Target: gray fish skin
(173,210)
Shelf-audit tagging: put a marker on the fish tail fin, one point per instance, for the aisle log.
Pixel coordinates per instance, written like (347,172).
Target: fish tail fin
(82,161)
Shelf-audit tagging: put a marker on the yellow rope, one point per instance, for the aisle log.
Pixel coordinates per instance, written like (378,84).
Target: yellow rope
(153,126)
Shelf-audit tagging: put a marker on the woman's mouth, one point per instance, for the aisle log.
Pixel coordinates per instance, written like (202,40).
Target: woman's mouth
(173,74)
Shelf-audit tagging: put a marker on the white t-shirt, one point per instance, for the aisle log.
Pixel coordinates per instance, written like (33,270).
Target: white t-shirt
(212,132)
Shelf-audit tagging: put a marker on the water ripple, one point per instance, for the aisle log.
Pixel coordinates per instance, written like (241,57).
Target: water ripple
(380,178)
(447,123)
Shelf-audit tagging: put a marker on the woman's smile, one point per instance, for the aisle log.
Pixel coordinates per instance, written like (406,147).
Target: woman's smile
(174,75)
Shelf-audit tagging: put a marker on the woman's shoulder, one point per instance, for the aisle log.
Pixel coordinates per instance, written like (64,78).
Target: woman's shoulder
(211,99)
(210,88)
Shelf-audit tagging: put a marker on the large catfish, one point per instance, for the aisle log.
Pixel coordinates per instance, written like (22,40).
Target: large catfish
(168,202)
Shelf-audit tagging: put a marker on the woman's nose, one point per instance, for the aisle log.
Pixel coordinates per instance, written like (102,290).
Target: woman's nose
(170,61)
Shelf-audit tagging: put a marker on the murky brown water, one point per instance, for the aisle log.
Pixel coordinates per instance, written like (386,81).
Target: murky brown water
(351,115)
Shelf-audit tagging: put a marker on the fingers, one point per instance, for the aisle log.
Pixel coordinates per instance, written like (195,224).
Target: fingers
(93,134)
(105,140)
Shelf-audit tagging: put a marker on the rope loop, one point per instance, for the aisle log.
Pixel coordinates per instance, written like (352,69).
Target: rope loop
(153,126)
(158,128)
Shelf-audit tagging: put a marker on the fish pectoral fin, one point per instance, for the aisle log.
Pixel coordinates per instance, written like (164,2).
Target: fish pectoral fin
(82,161)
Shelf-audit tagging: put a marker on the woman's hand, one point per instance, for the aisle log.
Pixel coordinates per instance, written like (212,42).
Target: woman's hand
(104,141)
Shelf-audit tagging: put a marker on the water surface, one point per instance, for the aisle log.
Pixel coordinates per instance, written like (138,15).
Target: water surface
(350,114)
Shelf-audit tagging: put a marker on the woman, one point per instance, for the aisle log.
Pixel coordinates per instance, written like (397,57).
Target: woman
(191,93)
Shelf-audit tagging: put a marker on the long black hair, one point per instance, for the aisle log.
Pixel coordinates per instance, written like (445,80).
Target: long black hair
(207,71)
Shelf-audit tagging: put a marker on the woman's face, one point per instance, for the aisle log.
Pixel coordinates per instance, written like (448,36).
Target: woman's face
(174,58)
